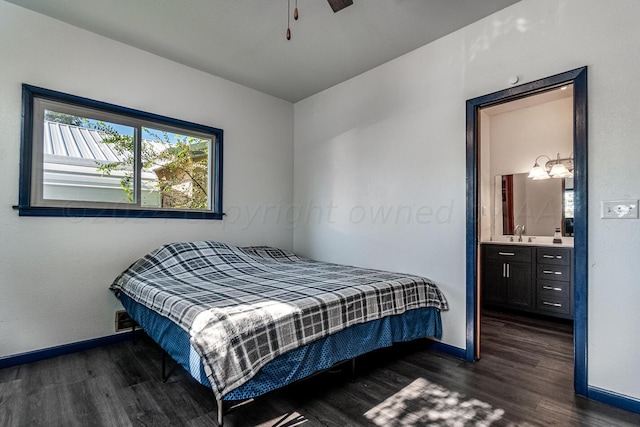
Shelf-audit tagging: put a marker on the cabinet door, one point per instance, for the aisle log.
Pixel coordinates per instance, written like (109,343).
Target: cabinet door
(494,288)
(519,284)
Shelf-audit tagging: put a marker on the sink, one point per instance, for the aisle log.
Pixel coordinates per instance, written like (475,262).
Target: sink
(567,242)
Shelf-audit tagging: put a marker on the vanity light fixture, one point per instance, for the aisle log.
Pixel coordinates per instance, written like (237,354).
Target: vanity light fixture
(559,168)
(539,172)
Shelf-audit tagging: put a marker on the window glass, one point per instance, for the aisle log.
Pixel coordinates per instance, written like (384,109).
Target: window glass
(87,160)
(568,203)
(179,166)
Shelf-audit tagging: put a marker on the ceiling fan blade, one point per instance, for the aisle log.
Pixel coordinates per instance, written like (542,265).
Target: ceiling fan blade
(338,5)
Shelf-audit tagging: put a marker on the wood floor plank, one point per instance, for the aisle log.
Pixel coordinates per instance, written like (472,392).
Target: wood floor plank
(523,379)
(10,402)
(95,401)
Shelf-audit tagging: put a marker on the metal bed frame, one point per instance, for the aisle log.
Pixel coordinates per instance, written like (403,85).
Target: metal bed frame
(220,403)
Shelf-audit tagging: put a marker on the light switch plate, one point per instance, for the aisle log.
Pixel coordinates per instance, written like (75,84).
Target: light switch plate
(620,209)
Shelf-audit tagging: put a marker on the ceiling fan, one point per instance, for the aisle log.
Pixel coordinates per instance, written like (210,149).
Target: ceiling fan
(336,5)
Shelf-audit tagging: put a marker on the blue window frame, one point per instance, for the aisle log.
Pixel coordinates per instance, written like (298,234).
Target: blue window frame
(82,157)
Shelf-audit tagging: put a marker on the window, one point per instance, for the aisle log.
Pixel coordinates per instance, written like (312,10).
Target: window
(82,157)
(568,203)
(568,210)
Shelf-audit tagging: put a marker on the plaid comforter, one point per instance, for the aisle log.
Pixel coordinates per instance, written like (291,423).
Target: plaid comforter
(245,306)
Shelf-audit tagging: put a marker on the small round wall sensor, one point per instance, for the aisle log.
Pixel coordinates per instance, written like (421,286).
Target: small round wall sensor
(513,80)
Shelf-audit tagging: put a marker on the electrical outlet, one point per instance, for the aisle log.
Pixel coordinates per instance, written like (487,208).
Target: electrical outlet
(620,209)
(123,321)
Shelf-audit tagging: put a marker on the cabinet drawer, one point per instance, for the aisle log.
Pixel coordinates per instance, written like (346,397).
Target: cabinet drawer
(557,289)
(551,303)
(554,256)
(553,272)
(507,253)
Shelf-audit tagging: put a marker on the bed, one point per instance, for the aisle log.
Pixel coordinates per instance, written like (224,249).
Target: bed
(247,320)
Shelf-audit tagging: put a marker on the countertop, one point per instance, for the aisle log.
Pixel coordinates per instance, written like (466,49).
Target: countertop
(535,241)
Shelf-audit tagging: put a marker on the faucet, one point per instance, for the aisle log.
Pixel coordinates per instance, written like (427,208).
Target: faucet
(519,231)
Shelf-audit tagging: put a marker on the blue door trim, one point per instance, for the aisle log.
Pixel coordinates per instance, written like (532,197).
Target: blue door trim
(578,78)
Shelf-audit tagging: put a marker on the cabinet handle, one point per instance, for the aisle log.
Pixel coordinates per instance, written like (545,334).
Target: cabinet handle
(508,271)
(547,256)
(552,304)
(505,270)
(551,288)
(558,273)
(506,253)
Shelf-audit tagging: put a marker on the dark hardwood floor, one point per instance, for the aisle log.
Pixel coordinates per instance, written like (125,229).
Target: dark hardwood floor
(525,378)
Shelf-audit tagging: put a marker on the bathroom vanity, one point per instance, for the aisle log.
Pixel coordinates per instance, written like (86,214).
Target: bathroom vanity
(532,277)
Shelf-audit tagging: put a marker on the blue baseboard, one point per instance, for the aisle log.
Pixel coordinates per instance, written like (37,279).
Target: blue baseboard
(614,399)
(46,353)
(448,349)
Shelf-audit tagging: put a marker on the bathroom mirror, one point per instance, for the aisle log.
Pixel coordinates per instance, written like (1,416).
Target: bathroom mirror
(541,206)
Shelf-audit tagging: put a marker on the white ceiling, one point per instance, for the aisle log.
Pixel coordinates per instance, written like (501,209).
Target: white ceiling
(244,40)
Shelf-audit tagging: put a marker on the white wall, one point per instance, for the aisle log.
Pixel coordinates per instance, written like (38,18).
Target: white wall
(487,200)
(395,137)
(517,138)
(55,272)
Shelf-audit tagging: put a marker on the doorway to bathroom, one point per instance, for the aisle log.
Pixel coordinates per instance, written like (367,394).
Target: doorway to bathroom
(501,196)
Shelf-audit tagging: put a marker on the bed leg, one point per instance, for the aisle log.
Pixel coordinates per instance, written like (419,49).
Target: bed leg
(353,370)
(220,412)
